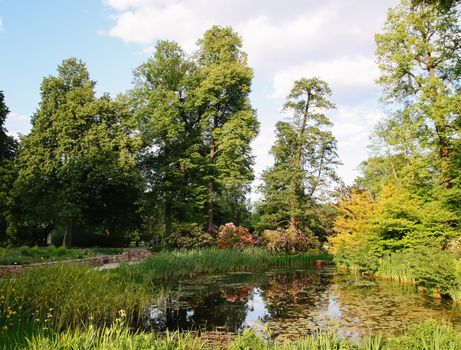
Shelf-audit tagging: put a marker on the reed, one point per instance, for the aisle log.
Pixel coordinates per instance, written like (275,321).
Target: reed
(64,296)
(427,336)
(396,268)
(166,265)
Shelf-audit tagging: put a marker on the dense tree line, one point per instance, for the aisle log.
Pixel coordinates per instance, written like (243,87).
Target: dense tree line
(174,149)
(172,156)
(408,199)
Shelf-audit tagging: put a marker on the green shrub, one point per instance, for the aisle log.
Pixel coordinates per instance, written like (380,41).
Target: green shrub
(189,236)
(431,268)
(62,250)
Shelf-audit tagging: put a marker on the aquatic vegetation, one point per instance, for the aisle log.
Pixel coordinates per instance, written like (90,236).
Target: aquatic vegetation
(427,336)
(68,295)
(113,337)
(431,269)
(201,261)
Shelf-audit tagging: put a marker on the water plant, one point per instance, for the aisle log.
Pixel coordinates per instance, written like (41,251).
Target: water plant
(69,295)
(201,261)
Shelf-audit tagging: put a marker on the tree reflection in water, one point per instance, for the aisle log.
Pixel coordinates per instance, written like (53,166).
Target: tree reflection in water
(293,304)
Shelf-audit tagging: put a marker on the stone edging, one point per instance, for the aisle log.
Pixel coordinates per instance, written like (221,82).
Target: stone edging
(127,255)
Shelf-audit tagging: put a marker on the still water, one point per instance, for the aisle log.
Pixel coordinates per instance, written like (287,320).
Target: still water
(295,303)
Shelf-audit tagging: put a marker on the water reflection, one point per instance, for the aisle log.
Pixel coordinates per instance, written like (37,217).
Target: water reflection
(293,304)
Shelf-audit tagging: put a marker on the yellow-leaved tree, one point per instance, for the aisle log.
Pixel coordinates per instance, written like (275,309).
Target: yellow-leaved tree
(352,233)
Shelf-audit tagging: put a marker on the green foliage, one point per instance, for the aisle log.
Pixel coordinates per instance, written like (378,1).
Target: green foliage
(197,124)
(29,255)
(430,268)
(236,237)
(419,62)
(189,236)
(397,222)
(116,336)
(76,167)
(426,336)
(166,265)
(305,161)
(429,335)
(69,295)
(8,173)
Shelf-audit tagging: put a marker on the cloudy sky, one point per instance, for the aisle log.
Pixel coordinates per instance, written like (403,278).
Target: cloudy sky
(285,40)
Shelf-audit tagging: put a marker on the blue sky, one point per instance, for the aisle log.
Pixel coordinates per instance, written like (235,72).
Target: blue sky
(332,39)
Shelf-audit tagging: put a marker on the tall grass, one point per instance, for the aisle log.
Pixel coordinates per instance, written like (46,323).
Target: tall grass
(119,337)
(396,267)
(112,338)
(189,263)
(68,295)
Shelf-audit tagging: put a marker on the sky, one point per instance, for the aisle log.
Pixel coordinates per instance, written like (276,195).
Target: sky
(285,41)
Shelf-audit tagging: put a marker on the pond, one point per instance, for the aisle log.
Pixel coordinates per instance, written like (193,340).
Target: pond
(293,304)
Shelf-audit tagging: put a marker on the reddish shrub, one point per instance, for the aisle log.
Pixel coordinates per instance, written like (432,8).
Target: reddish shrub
(289,240)
(231,236)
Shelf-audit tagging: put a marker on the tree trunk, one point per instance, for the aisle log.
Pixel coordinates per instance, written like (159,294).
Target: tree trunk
(440,121)
(444,155)
(210,210)
(167,219)
(210,189)
(67,239)
(297,179)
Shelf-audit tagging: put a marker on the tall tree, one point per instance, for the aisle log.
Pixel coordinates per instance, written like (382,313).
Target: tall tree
(418,54)
(170,131)
(79,145)
(305,157)
(228,122)
(8,152)
(443,4)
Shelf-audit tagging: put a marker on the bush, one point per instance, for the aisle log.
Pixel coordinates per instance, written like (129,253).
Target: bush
(237,237)
(427,267)
(289,241)
(189,236)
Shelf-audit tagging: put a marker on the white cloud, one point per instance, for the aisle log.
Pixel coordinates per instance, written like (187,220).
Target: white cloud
(17,122)
(331,39)
(342,74)
(352,126)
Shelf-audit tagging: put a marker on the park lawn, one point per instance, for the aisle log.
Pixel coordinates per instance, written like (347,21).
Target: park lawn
(29,255)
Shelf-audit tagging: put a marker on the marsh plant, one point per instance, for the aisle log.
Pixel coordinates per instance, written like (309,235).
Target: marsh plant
(202,261)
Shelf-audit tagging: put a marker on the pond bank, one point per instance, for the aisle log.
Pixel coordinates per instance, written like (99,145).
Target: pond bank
(128,255)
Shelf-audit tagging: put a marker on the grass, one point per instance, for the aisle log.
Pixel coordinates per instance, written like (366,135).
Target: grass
(76,307)
(28,255)
(166,265)
(396,268)
(426,336)
(65,296)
